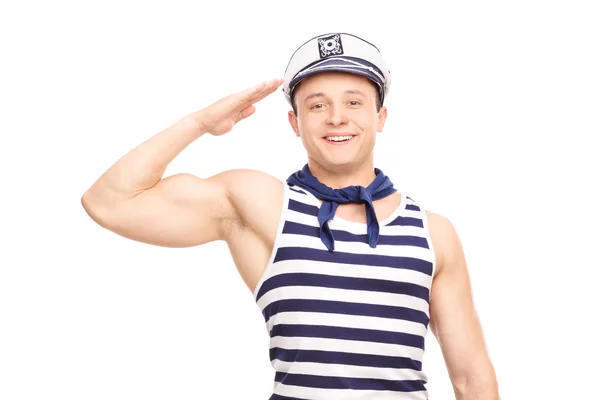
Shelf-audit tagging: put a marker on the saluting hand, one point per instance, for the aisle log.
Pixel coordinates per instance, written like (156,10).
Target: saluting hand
(220,117)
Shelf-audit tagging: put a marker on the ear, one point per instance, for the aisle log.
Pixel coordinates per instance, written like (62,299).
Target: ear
(293,122)
(381,117)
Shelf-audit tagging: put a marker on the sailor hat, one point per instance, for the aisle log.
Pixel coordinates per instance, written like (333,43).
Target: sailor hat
(340,52)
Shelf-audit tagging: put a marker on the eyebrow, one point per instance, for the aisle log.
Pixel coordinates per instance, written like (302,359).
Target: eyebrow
(355,92)
(313,95)
(321,94)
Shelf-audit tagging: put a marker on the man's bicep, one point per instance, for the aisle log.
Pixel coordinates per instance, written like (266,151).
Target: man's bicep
(181,210)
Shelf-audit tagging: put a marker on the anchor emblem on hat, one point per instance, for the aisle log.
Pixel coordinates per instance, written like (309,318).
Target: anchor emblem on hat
(330,45)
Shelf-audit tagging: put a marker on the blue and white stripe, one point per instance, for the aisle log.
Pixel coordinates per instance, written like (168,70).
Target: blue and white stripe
(348,324)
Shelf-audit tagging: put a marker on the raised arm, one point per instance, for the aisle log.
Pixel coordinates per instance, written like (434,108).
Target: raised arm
(133,199)
(454,319)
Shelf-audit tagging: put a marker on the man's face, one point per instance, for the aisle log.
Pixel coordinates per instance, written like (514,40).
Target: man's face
(337,118)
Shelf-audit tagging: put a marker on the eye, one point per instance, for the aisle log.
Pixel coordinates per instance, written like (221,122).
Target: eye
(317,106)
(354,102)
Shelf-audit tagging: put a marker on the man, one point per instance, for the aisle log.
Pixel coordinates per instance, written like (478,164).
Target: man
(348,272)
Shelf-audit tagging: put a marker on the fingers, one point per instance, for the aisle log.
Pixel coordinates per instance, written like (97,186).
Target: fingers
(257,93)
(245,113)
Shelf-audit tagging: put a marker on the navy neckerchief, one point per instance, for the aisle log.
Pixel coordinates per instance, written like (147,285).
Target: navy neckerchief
(378,189)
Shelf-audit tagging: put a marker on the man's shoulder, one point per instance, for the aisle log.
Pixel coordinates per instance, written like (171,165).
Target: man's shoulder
(437,219)
(247,178)
(444,237)
(251,185)
(253,193)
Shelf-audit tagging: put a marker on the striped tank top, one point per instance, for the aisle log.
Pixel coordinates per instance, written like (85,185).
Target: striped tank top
(347,324)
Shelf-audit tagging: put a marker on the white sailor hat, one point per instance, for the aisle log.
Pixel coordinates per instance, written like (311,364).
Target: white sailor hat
(336,52)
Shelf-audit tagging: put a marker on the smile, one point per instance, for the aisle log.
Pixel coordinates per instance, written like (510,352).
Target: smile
(338,140)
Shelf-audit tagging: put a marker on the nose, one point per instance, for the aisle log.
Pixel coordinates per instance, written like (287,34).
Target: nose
(336,116)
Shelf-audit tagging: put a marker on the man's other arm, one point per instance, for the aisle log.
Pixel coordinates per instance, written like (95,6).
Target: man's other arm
(454,319)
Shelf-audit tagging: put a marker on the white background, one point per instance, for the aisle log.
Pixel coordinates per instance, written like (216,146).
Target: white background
(493,123)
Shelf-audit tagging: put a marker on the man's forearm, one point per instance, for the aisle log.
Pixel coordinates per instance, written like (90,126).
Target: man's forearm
(144,166)
(478,388)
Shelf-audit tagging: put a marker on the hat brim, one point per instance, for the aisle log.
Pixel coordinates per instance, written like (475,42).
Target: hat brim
(338,64)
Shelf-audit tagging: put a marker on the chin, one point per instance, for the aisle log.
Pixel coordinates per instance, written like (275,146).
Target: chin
(341,164)
(339,161)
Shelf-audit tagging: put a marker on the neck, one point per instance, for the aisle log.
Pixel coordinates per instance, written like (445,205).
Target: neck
(342,177)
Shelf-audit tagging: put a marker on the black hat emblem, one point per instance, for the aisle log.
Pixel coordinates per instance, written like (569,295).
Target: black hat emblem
(330,46)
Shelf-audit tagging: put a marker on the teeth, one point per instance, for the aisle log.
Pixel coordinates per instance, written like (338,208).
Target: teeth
(339,138)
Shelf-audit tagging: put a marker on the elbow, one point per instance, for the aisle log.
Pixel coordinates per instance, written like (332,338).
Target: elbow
(92,206)
(476,386)
(96,205)
(87,202)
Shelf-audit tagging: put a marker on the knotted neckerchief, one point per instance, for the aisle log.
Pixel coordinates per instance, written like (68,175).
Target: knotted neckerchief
(378,189)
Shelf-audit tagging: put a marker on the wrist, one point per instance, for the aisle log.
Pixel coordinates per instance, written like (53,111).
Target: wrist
(193,123)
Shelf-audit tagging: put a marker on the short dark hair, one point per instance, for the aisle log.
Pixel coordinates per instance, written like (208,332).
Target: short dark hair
(377,98)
